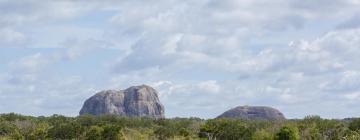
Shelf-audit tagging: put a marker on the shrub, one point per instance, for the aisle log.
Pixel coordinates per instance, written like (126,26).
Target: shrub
(69,130)
(39,133)
(353,135)
(287,133)
(162,133)
(227,129)
(355,125)
(112,132)
(94,133)
(9,130)
(262,135)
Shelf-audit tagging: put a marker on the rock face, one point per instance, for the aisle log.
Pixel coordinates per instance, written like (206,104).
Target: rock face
(253,113)
(136,101)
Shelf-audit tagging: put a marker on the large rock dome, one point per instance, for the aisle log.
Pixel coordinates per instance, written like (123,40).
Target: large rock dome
(136,101)
(253,113)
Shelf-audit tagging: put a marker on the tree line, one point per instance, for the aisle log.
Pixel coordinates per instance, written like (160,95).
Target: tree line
(110,127)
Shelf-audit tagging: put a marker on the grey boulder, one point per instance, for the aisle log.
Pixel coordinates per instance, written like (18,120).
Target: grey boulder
(135,101)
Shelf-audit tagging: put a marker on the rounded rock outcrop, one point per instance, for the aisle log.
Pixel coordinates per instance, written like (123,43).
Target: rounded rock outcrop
(253,113)
(135,101)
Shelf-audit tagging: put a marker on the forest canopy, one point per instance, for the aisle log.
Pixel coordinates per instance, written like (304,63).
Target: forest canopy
(110,127)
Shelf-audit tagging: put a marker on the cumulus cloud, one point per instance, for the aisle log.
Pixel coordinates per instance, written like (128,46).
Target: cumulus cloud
(10,37)
(225,37)
(203,56)
(304,72)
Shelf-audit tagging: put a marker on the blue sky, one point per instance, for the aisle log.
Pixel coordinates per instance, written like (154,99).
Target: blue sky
(204,56)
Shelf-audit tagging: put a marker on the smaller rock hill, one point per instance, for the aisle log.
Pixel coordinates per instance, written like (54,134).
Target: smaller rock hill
(253,113)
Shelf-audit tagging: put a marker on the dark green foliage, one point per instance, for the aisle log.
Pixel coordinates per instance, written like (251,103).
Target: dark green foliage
(65,130)
(57,119)
(287,133)
(355,125)
(227,129)
(162,133)
(13,117)
(94,133)
(87,120)
(262,135)
(39,133)
(315,128)
(10,131)
(112,132)
(165,128)
(184,132)
(109,127)
(6,129)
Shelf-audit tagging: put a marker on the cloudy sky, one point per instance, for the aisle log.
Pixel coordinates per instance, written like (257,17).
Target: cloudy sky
(203,56)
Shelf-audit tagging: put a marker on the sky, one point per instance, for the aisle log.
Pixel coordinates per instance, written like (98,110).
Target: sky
(202,56)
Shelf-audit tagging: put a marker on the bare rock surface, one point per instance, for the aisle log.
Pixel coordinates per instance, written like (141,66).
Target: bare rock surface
(253,113)
(135,101)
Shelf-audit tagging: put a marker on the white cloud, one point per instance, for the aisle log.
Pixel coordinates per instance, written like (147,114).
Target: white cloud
(295,74)
(8,36)
(210,86)
(203,56)
(352,96)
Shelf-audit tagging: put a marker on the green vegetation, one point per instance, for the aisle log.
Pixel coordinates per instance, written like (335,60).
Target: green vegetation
(107,127)
(287,133)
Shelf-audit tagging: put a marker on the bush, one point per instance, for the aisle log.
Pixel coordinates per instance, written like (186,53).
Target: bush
(184,132)
(162,133)
(112,127)
(10,131)
(39,133)
(227,129)
(112,132)
(262,135)
(94,133)
(68,130)
(355,125)
(13,117)
(287,133)
(87,120)
(353,135)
